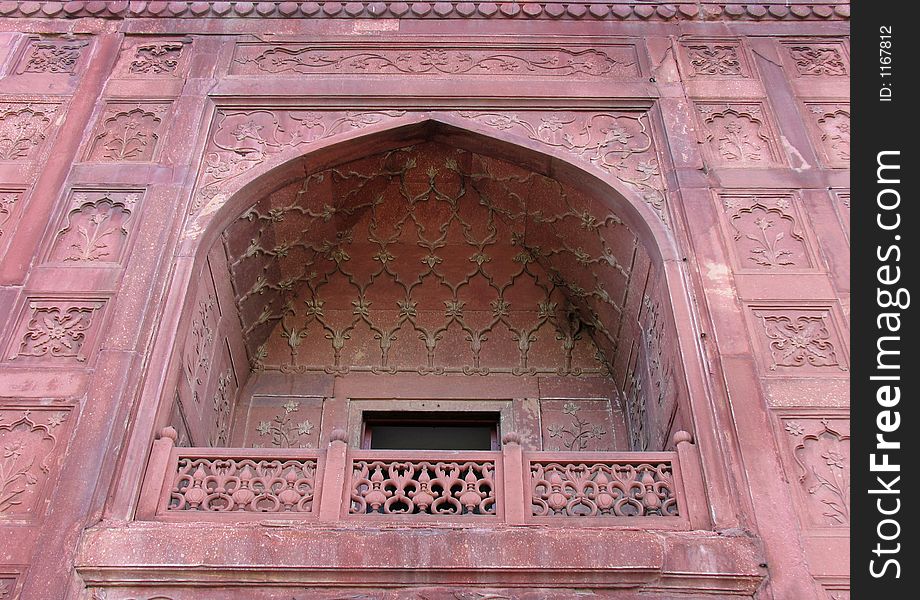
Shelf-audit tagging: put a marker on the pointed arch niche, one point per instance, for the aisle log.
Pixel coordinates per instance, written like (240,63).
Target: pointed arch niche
(421,268)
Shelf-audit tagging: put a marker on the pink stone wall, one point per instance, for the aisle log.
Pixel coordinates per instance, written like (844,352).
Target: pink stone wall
(133,137)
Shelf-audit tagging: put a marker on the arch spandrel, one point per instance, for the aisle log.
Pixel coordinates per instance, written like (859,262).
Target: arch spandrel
(610,153)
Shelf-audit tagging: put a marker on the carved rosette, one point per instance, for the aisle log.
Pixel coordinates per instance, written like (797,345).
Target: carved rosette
(809,59)
(29,447)
(715,58)
(799,340)
(766,231)
(608,62)
(95,229)
(738,134)
(127,133)
(56,331)
(23,127)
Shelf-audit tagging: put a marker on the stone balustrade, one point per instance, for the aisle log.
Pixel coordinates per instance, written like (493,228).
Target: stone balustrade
(653,490)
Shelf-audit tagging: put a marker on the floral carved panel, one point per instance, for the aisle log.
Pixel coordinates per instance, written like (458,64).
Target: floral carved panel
(8,586)
(829,125)
(577,425)
(96,228)
(765,231)
(155,59)
(51,56)
(127,133)
(607,61)
(738,134)
(56,331)
(817,59)
(23,128)
(799,341)
(715,58)
(10,201)
(31,442)
(817,459)
(841,201)
(282,422)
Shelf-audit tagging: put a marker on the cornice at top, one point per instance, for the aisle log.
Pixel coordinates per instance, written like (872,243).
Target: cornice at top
(634,10)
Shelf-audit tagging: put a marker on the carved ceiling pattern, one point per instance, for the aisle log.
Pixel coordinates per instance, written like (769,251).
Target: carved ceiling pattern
(430,259)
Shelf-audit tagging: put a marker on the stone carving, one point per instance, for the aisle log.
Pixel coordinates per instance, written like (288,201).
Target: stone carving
(28,440)
(832,126)
(96,228)
(799,339)
(23,126)
(611,62)
(737,134)
(7,202)
(44,56)
(223,409)
(57,329)
(619,143)
(420,263)
(765,231)
(577,434)
(284,432)
(156,59)
(602,490)
(243,485)
(818,59)
(198,351)
(127,133)
(241,140)
(822,454)
(715,58)
(421,487)
(637,413)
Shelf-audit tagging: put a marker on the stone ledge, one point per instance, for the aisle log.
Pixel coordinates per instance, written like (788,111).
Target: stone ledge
(245,554)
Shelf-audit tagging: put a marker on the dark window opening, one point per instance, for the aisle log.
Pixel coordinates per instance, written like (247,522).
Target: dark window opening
(430,431)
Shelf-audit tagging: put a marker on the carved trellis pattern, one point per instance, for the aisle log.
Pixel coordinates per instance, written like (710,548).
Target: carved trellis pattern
(429,260)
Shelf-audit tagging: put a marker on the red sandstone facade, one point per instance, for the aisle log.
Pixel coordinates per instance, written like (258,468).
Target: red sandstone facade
(234,234)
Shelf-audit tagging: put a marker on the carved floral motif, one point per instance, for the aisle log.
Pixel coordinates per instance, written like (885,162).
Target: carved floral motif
(198,352)
(7,204)
(284,432)
(127,133)
(96,228)
(156,59)
(243,485)
(28,440)
(577,434)
(818,59)
(715,58)
(423,487)
(737,134)
(44,56)
(799,339)
(241,140)
(222,406)
(615,62)
(766,232)
(23,126)
(431,271)
(57,330)
(599,490)
(821,450)
(619,143)
(832,125)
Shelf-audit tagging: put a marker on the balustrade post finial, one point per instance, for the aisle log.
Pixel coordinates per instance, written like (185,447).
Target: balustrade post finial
(682,436)
(168,433)
(338,435)
(511,437)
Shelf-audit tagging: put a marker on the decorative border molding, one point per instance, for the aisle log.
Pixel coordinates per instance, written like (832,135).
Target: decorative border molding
(621,10)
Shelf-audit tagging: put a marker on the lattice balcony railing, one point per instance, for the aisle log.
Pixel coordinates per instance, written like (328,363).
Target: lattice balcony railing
(657,490)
